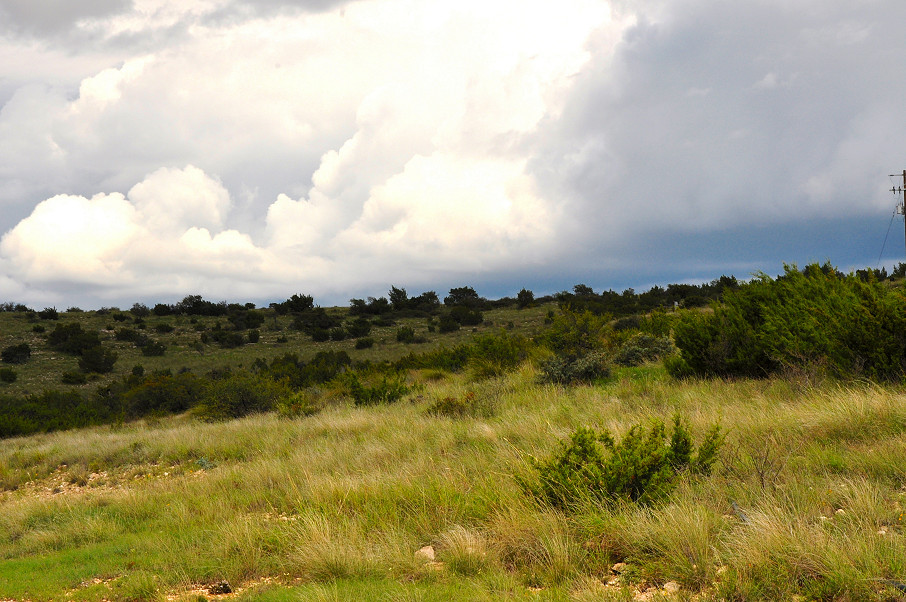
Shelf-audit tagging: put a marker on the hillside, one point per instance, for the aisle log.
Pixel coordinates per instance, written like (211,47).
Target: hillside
(807,499)
(545,453)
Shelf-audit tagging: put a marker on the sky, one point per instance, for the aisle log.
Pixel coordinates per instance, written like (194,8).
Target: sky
(248,150)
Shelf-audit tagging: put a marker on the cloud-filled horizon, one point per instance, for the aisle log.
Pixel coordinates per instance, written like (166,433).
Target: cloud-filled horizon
(151,149)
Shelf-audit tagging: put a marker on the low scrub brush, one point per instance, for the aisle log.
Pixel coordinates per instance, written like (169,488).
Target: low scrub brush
(641,468)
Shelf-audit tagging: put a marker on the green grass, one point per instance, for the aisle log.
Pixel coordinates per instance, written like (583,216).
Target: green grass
(334,506)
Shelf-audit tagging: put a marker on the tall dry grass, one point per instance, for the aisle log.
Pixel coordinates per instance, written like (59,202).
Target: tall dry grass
(806,500)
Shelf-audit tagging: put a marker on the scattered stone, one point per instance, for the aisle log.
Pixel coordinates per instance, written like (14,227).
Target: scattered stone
(220,588)
(671,587)
(425,554)
(618,567)
(840,511)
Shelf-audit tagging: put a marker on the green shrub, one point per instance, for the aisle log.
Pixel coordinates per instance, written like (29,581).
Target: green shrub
(49,313)
(568,370)
(227,339)
(71,338)
(97,359)
(358,328)
(466,316)
(659,323)
(641,468)
(575,334)
(38,328)
(384,321)
(643,348)
(153,348)
(16,354)
(74,378)
(140,310)
(364,343)
(337,334)
(240,394)
(51,411)
(816,318)
(447,323)
(405,334)
(493,355)
(161,393)
(253,335)
(127,334)
(8,375)
(525,298)
(324,367)
(300,403)
(388,390)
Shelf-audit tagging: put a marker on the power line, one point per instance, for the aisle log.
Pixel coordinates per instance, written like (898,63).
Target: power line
(892,215)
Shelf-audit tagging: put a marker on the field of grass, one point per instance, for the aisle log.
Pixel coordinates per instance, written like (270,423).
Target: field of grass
(807,501)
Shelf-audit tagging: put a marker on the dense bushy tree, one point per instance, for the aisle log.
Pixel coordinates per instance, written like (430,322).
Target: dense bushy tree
(195,305)
(465,296)
(97,359)
(239,394)
(162,393)
(360,327)
(324,367)
(16,354)
(49,313)
(11,307)
(71,338)
(525,298)
(815,318)
(244,319)
(447,323)
(374,306)
(629,302)
(295,304)
(399,299)
(427,302)
(314,321)
(51,411)
(466,316)
(140,310)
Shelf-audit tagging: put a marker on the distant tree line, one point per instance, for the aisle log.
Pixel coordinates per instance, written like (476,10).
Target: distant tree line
(629,302)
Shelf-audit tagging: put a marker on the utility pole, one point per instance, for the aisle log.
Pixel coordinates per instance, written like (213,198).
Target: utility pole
(901,207)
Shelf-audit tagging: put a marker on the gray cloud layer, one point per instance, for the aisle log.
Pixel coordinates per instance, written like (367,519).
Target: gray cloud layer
(333,147)
(54,16)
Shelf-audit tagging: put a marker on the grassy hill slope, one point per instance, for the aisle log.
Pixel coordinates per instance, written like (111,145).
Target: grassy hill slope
(807,499)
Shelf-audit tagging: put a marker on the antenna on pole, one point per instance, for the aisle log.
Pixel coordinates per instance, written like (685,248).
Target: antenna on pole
(901,206)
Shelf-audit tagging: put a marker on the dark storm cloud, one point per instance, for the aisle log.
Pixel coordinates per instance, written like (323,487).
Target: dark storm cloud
(720,113)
